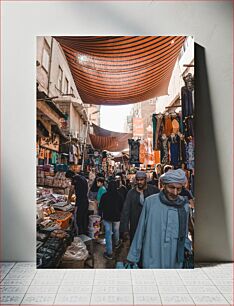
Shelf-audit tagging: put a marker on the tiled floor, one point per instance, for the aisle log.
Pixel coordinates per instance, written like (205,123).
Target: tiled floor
(207,284)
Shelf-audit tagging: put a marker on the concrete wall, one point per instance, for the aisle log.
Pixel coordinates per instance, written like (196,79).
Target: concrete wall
(75,121)
(210,22)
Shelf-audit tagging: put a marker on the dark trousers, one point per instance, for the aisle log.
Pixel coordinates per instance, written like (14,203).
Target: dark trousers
(82,217)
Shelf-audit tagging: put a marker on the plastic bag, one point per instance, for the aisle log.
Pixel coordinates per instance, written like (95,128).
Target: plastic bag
(76,251)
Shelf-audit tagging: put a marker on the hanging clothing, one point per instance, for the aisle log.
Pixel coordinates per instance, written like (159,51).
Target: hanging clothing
(180,120)
(37,150)
(134,151)
(175,126)
(47,154)
(158,127)
(168,129)
(42,154)
(174,142)
(54,158)
(164,149)
(189,128)
(154,123)
(182,151)
(187,102)
(162,234)
(142,154)
(190,155)
(157,156)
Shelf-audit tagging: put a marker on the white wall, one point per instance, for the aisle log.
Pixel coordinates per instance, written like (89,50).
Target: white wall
(176,81)
(211,25)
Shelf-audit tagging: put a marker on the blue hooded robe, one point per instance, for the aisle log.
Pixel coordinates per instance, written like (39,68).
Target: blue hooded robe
(157,234)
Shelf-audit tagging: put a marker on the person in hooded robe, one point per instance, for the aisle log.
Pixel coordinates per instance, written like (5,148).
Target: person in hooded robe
(161,238)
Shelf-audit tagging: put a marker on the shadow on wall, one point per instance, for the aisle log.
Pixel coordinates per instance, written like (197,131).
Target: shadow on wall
(212,242)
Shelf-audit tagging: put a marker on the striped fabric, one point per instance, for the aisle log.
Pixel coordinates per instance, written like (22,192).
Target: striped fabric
(118,70)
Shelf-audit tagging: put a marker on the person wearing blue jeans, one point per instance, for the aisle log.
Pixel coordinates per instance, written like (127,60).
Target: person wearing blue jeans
(110,206)
(111,228)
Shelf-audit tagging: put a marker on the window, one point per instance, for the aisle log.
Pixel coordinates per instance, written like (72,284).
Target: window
(66,86)
(60,79)
(45,58)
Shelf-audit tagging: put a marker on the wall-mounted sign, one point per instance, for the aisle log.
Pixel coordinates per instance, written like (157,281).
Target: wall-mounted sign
(51,143)
(138,127)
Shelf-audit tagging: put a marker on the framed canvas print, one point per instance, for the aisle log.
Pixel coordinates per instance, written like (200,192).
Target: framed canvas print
(115,152)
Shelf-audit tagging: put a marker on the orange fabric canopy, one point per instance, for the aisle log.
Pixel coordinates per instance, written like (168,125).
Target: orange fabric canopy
(109,143)
(103,139)
(97,130)
(118,70)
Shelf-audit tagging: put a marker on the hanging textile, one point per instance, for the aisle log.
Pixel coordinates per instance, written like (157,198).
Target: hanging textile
(187,102)
(98,131)
(110,143)
(134,146)
(42,154)
(159,126)
(189,128)
(154,123)
(142,155)
(54,158)
(174,143)
(182,150)
(47,154)
(168,129)
(118,70)
(37,150)
(190,155)
(180,120)
(157,156)
(164,149)
(175,126)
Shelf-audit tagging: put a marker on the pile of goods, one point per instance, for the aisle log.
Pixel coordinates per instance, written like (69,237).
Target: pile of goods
(46,176)
(62,218)
(59,234)
(76,251)
(51,252)
(94,226)
(48,203)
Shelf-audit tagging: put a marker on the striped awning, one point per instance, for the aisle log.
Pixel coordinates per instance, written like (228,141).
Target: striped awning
(118,70)
(97,130)
(103,139)
(109,143)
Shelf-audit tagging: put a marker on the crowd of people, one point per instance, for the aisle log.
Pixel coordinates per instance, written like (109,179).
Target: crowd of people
(155,215)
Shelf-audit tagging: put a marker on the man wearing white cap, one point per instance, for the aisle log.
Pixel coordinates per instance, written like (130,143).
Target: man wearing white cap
(161,238)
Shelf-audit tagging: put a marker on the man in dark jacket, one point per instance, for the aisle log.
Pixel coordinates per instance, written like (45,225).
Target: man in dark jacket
(110,207)
(133,205)
(122,190)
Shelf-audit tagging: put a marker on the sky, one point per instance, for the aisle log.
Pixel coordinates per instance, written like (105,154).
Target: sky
(113,117)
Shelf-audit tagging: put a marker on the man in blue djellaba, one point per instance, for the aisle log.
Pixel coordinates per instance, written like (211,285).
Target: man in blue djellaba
(161,239)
